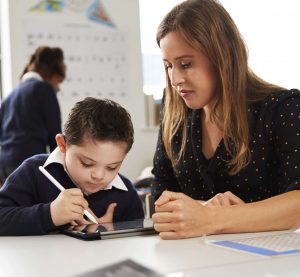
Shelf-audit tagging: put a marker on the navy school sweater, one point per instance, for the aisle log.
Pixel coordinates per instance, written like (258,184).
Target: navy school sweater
(29,120)
(26,196)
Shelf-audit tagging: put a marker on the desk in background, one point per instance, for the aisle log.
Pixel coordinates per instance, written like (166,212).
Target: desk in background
(59,255)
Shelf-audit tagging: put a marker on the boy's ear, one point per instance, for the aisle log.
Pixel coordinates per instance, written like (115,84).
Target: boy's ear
(61,143)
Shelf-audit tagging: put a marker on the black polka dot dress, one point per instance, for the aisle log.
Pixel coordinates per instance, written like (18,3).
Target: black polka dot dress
(275,155)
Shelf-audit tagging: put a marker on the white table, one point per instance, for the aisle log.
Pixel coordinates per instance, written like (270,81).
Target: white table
(60,255)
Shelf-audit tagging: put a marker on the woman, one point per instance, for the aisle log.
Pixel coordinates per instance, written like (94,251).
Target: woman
(30,116)
(227,137)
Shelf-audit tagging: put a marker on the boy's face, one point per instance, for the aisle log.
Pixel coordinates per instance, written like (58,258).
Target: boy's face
(93,164)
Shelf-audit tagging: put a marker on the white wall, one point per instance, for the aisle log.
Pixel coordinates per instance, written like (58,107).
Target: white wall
(126,13)
(272,34)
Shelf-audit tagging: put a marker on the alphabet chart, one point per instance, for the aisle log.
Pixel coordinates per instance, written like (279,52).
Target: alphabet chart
(96,57)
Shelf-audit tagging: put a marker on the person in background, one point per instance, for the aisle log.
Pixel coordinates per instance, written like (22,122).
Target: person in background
(97,136)
(227,157)
(30,116)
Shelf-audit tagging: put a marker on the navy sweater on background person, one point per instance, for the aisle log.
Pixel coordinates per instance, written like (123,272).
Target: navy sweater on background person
(26,196)
(29,120)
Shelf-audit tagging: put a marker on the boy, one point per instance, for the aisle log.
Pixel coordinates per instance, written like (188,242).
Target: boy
(97,136)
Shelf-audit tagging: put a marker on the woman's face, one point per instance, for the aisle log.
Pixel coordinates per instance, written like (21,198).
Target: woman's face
(191,73)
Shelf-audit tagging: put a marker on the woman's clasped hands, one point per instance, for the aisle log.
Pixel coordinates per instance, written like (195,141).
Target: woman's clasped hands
(179,216)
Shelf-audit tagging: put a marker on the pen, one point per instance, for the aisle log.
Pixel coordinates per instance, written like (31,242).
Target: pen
(61,188)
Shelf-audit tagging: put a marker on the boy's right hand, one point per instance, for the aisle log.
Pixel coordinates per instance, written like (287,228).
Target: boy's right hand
(68,206)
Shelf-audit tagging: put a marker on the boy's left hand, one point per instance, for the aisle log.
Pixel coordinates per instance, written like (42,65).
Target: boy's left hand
(107,218)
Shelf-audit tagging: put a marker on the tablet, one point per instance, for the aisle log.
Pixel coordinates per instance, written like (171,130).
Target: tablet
(139,227)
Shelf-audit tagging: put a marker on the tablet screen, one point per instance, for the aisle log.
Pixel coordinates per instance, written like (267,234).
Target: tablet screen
(112,230)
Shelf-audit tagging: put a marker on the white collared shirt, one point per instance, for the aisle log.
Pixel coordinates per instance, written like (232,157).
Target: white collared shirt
(57,157)
(31,75)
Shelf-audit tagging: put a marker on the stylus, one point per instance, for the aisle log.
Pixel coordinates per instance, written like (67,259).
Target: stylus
(61,188)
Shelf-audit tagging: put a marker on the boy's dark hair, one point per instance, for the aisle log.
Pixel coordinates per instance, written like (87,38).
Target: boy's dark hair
(98,119)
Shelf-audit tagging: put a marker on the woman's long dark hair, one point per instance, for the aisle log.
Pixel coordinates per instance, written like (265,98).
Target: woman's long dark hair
(207,27)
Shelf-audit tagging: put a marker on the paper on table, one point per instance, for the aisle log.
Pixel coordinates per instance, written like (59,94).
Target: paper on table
(267,245)
(124,268)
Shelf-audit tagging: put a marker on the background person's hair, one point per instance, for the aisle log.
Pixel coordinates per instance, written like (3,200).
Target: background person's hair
(100,120)
(47,61)
(206,26)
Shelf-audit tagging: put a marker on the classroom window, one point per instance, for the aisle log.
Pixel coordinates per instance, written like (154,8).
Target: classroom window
(151,13)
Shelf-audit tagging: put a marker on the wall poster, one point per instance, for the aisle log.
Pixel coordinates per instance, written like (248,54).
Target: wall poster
(94,47)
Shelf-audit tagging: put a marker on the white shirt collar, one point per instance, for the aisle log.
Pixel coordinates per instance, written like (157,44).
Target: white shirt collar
(57,157)
(31,75)
(116,182)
